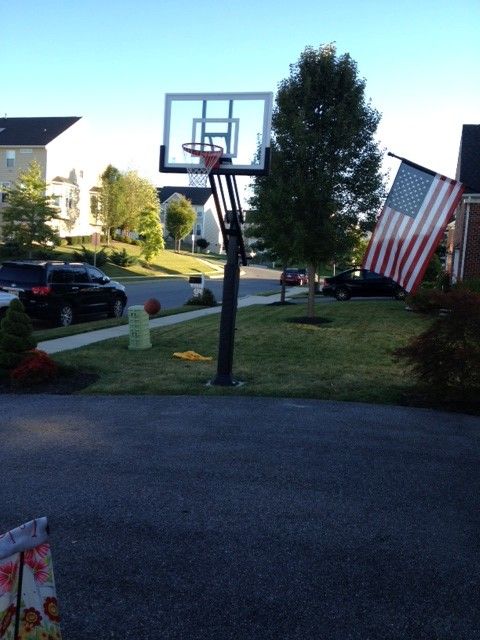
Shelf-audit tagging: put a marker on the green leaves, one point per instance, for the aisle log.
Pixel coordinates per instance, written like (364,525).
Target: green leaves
(29,213)
(181,217)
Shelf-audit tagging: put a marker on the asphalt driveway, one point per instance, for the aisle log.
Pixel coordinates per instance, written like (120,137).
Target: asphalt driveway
(249,518)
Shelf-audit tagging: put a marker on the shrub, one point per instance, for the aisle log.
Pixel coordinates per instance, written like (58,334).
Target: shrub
(470,284)
(122,258)
(15,337)
(426,300)
(202,244)
(446,357)
(207,299)
(85,255)
(36,367)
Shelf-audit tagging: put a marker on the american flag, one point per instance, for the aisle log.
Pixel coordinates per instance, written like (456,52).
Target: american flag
(416,213)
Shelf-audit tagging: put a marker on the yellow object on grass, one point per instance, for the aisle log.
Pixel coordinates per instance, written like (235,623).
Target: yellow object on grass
(190,355)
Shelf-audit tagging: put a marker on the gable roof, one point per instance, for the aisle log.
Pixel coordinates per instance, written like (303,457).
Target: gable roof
(468,170)
(32,131)
(196,195)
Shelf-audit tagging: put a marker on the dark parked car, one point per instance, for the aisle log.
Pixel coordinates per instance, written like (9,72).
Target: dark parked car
(361,282)
(61,292)
(294,276)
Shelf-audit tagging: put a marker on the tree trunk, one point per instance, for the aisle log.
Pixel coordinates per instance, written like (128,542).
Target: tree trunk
(282,292)
(312,270)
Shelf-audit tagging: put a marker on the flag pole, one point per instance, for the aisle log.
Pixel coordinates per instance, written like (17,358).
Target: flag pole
(412,164)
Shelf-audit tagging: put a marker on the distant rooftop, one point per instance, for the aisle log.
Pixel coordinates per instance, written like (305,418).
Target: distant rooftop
(32,131)
(468,170)
(197,195)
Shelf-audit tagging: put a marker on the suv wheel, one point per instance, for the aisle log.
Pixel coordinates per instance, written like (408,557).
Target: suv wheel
(116,310)
(65,315)
(342,294)
(400,294)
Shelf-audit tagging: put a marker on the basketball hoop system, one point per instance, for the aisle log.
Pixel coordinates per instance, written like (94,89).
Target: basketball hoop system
(208,158)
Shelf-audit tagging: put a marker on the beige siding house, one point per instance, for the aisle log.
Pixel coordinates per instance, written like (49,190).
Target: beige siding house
(60,148)
(207,225)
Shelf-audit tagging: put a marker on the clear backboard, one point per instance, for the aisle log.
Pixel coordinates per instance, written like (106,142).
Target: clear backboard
(239,123)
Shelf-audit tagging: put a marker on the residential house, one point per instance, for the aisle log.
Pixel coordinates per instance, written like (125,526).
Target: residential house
(207,225)
(463,244)
(58,145)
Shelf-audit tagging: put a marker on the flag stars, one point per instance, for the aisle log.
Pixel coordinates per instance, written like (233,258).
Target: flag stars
(409,190)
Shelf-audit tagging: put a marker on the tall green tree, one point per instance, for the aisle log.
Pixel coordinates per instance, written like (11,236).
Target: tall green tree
(134,195)
(324,129)
(108,200)
(28,217)
(151,233)
(272,216)
(180,218)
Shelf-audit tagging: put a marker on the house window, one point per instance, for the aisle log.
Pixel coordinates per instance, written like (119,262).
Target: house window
(10,155)
(3,194)
(199,230)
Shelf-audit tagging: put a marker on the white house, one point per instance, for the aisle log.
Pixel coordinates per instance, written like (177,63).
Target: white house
(59,145)
(207,225)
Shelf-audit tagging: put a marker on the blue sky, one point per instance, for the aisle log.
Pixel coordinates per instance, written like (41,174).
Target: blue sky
(112,62)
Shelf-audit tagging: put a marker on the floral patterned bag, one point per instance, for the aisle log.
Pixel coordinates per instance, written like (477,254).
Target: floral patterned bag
(28,602)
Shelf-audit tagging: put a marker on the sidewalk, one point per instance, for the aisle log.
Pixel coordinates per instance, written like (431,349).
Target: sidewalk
(84,339)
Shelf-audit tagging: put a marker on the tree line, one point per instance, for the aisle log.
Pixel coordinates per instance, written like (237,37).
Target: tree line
(124,201)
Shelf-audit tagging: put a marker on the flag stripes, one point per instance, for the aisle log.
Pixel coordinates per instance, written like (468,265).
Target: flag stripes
(403,244)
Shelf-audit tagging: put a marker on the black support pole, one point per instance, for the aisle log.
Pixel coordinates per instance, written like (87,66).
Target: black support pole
(224,376)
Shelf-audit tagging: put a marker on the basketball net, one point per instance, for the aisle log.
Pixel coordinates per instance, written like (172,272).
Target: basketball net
(208,156)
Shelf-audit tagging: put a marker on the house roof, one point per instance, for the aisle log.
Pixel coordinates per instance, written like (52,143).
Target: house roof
(32,131)
(468,170)
(196,195)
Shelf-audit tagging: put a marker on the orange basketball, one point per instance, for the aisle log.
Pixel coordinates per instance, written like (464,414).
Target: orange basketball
(152,306)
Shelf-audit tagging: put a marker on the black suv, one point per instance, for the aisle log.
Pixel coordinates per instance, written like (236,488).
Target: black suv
(62,291)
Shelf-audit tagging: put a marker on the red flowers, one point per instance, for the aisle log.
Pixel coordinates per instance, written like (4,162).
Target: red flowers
(31,618)
(36,367)
(8,573)
(7,620)
(50,607)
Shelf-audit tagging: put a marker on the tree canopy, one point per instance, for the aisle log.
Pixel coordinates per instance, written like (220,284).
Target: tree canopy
(150,231)
(108,199)
(326,181)
(123,198)
(28,217)
(180,218)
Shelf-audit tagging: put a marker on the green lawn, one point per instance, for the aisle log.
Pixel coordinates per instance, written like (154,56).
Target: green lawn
(348,358)
(167,263)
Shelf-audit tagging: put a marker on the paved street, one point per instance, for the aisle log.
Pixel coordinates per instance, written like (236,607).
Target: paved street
(249,518)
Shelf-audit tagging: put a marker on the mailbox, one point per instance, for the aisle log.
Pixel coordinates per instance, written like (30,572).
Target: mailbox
(197,283)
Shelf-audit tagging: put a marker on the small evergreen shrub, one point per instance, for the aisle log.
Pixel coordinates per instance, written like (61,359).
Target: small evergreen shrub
(446,357)
(36,367)
(207,299)
(122,258)
(15,337)
(85,255)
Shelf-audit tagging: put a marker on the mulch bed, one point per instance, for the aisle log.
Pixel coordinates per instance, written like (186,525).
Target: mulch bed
(306,320)
(67,382)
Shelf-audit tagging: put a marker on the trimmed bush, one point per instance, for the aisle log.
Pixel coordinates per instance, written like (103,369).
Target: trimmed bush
(446,357)
(85,255)
(15,337)
(207,299)
(122,258)
(426,300)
